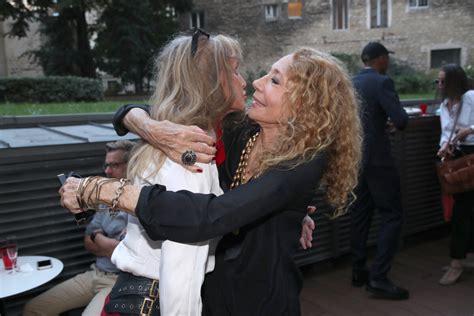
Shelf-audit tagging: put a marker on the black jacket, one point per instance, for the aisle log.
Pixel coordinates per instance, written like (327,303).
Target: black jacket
(379,101)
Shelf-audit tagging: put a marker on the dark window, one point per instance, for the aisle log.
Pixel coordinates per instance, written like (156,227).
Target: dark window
(197,19)
(271,12)
(440,57)
(378,13)
(201,19)
(340,15)
(418,3)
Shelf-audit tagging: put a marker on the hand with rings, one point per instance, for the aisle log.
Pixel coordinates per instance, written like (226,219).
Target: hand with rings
(68,195)
(176,140)
(189,158)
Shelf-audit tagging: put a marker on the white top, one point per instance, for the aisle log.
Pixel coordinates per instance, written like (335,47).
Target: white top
(29,276)
(466,118)
(179,267)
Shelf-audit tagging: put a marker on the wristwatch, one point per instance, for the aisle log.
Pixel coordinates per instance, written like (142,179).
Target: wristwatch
(92,236)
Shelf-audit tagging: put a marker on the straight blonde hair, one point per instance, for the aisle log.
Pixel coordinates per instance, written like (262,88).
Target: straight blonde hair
(190,90)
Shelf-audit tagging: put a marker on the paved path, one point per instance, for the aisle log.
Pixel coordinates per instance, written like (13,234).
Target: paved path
(327,290)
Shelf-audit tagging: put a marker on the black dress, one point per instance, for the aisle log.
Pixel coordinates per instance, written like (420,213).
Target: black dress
(255,273)
(261,223)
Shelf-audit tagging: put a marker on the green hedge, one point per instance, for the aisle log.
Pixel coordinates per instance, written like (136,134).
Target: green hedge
(415,83)
(50,89)
(351,61)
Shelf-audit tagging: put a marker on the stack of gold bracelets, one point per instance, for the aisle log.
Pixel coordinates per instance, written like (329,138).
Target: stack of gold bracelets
(88,197)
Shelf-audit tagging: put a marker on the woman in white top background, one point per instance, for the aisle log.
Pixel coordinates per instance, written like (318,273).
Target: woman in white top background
(458,100)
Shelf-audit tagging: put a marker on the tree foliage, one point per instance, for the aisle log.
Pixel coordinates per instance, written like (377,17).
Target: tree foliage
(22,14)
(127,34)
(66,48)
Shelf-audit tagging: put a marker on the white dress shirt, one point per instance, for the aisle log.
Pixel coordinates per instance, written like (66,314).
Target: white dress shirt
(466,118)
(180,268)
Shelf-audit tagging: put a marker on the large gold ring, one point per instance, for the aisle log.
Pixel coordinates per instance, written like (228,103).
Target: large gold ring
(189,158)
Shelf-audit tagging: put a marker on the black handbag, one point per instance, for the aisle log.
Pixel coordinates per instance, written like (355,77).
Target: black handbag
(134,295)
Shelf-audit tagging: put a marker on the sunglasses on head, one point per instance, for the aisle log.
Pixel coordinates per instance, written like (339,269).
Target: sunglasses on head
(439,81)
(195,39)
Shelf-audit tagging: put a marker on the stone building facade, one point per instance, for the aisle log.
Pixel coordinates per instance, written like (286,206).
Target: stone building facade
(423,33)
(14,60)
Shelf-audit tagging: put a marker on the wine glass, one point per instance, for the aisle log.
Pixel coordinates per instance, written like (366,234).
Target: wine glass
(12,251)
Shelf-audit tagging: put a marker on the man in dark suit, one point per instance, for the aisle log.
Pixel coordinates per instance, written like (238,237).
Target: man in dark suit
(379,185)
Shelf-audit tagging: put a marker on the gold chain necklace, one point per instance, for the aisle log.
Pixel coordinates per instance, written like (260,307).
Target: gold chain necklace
(239,177)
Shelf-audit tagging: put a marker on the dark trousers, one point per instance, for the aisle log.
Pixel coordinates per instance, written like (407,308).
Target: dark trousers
(462,222)
(378,188)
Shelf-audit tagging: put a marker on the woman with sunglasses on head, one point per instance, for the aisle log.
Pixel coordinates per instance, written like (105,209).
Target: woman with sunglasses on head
(193,87)
(457,118)
(302,130)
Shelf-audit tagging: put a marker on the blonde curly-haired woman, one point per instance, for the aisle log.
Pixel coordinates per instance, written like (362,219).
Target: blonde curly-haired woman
(302,131)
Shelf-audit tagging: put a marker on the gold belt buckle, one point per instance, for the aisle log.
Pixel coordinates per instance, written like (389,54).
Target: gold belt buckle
(146,307)
(154,289)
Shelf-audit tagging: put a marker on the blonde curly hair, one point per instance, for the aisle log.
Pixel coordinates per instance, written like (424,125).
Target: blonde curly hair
(323,116)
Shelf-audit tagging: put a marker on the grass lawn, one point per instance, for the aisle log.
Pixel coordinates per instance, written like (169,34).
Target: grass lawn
(62,108)
(418,96)
(105,106)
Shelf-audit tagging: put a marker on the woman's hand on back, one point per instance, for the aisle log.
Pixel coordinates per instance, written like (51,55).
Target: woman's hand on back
(174,139)
(171,138)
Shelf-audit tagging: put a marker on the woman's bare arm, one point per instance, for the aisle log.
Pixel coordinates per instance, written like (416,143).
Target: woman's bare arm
(127,202)
(184,216)
(173,139)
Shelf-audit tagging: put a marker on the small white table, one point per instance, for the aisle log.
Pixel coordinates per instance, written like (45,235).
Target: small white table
(19,282)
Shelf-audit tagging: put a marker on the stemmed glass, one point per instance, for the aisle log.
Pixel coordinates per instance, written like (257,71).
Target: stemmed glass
(12,251)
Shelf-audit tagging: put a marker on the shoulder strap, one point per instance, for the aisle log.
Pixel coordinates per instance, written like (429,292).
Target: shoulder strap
(458,113)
